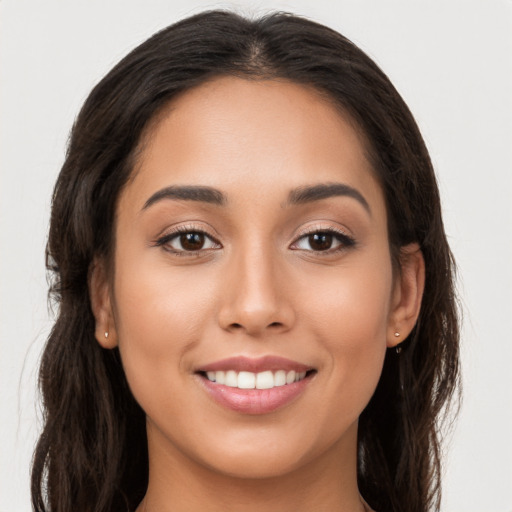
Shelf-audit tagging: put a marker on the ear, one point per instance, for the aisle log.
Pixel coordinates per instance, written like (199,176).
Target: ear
(101,304)
(407,294)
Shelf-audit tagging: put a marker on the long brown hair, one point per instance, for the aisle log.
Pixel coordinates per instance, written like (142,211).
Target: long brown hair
(92,453)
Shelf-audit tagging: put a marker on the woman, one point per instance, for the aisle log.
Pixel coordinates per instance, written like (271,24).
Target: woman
(256,304)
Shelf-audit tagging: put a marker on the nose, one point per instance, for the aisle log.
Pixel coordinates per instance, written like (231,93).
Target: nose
(255,296)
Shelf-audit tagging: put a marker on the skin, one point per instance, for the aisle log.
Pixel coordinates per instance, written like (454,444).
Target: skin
(258,288)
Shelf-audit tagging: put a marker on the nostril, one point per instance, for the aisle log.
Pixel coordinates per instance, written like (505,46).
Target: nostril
(235,326)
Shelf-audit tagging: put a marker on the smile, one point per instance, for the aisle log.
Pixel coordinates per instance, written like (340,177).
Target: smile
(249,380)
(255,385)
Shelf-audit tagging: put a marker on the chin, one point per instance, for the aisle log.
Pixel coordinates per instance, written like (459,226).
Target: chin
(256,467)
(262,455)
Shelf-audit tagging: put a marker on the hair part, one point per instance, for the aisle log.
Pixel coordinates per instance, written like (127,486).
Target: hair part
(92,453)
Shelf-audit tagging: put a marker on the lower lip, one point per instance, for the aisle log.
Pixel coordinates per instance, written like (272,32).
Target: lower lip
(255,401)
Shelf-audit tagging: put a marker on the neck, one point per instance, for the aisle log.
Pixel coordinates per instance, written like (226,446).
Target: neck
(177,483)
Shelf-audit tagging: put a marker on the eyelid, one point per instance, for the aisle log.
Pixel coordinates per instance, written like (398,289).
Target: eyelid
(188,226)
(324,228)
(173,232)
(347,240)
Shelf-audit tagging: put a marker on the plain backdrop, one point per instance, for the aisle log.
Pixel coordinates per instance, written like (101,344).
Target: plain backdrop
(452,62)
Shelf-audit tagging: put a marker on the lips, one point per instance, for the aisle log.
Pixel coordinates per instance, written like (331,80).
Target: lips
(255,365)
(255,385)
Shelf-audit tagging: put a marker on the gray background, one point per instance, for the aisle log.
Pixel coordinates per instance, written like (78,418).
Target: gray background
(452,62)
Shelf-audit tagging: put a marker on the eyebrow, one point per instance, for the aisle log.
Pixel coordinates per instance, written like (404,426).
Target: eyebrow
(297,196)
(308,194)
(188,193)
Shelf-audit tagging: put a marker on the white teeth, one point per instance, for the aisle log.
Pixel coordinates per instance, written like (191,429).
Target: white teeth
(280,378)
(265,380)
(231,379)
(246,380)
(250,380)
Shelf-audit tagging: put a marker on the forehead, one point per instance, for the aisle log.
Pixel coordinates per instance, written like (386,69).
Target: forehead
(232,132)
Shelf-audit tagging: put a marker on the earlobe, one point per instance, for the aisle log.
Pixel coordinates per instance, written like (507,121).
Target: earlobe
(101,304)
(407,296)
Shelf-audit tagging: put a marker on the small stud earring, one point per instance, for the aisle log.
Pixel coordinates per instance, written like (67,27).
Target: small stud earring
(398,348)
(106,334)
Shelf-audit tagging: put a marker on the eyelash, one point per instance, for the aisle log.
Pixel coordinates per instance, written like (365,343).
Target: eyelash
(345,241)
(185,230)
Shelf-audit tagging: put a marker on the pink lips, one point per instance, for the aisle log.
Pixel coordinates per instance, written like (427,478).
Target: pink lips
(254,401)
(260,364)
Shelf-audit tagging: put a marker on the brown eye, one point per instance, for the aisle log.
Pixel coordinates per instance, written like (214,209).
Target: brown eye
(192,241)
(183,242)
(328,241)
(320,241)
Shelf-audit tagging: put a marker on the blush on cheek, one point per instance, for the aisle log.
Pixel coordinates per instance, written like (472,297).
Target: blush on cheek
(351,322)
(356,316)
(156,326)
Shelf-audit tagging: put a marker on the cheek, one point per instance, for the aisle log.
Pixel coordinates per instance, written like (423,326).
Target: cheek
(353,305)
(160,316)
(350,319)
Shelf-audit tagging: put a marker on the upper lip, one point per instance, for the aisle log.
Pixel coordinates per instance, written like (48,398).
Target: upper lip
(255,365)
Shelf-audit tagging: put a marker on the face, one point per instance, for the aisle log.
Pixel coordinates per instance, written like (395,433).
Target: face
(253,297)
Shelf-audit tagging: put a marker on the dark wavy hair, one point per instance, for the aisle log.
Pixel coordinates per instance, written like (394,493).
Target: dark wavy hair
(92,453)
